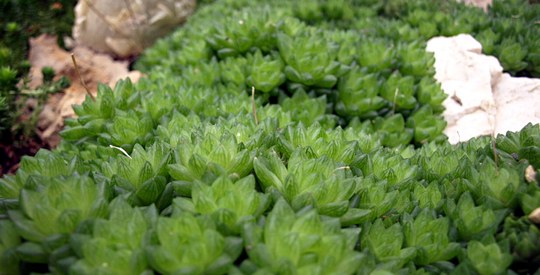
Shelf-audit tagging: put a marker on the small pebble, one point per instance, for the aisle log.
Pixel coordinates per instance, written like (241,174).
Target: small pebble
(534,217)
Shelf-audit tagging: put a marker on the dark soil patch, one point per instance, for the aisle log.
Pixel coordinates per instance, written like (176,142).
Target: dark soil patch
(13,149)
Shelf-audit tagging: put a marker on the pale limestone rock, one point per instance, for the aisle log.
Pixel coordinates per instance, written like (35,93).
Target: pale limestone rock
(518,103)
(125,28)
(466,76)
(481,99)
(479,3)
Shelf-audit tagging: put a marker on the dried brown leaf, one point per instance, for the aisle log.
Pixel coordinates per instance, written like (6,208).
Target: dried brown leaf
(94,68)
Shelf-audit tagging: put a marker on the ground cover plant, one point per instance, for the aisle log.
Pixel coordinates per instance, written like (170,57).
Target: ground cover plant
(276,138)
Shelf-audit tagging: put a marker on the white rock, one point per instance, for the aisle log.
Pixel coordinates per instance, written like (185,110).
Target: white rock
(481,99)
(534,217)
(518,103)
(466,76)
(479,3)
(125,28)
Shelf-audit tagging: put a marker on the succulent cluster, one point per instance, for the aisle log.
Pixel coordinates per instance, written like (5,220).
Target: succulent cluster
(509,30)
(333,163)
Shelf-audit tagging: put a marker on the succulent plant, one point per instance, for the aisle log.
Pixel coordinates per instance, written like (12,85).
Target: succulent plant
(300,242)
(279,137)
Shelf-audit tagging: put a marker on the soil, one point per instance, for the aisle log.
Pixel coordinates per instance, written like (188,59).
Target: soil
(12,151)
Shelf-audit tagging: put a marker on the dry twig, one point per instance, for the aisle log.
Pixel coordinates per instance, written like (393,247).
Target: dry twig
(80,77)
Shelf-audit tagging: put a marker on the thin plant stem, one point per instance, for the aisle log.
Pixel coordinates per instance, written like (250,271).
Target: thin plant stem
(253,105)
(83,83)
